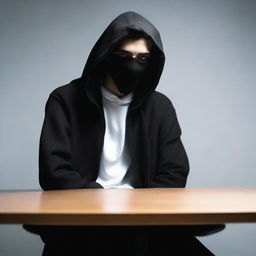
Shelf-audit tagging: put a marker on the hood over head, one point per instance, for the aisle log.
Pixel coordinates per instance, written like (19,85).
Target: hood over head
(123,26)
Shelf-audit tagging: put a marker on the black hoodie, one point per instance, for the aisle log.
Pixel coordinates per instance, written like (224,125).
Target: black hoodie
(73,130)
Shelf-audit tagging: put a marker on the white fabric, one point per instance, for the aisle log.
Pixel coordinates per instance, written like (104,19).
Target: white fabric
(114,158)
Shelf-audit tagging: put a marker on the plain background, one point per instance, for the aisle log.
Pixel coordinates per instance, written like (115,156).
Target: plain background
(209,75)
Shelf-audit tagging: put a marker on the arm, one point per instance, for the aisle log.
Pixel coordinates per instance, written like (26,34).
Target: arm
(55,156)
(173,167)
(173,164)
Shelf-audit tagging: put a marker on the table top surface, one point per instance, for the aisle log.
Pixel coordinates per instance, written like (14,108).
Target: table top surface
(154,206)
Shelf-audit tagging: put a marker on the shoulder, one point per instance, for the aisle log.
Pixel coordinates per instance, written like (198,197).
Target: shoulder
(160,112)
(67,90)
(160,101)
(68,94)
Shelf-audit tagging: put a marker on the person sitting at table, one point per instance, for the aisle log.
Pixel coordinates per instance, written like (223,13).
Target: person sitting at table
(110,128)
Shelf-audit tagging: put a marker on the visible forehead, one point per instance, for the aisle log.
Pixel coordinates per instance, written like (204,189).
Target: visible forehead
(140,45)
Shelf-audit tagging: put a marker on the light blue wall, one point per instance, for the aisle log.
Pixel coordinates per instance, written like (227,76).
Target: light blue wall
(209,76)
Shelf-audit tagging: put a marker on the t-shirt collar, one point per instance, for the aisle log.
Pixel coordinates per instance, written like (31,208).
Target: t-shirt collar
(109,96)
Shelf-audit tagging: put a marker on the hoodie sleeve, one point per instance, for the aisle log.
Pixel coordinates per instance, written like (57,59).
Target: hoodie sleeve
(55,158)
(173,163)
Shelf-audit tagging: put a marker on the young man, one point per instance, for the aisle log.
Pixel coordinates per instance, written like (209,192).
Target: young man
(76,135)
(111,129)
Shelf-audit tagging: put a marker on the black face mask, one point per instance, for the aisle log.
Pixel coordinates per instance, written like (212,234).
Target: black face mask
(126,72)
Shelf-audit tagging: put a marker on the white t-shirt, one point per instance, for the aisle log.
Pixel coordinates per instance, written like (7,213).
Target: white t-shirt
(115,159)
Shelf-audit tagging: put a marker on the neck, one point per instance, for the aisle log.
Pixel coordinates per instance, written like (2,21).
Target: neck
(110,85)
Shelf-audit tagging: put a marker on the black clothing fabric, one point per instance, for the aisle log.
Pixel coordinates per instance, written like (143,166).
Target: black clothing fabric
(126,71)
(136,241)
(73,131)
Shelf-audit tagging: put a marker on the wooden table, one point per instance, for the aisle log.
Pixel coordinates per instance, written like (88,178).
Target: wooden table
(155,206)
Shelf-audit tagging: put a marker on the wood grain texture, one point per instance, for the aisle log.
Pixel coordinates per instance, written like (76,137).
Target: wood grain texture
(154,206)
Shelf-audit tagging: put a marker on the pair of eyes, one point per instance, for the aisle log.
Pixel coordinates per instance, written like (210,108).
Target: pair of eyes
(142,57)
